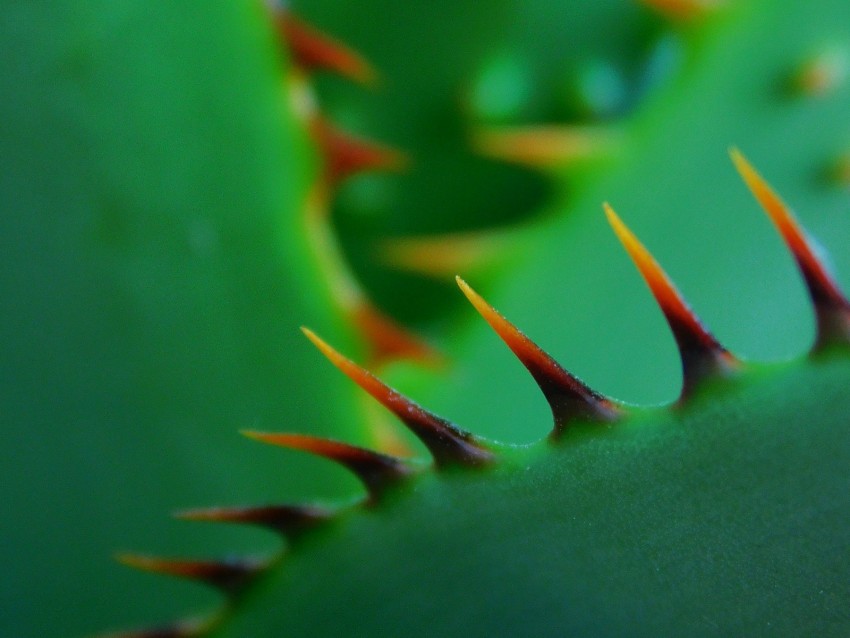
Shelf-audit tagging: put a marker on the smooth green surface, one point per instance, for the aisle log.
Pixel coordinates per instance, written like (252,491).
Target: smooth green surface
(727,516)
(153,278)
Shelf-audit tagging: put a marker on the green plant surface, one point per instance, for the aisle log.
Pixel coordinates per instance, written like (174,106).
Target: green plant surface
(570,287)
(156,270)
(154,278)
(725,516)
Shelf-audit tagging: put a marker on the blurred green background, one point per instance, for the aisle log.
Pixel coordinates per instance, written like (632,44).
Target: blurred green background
(154,268)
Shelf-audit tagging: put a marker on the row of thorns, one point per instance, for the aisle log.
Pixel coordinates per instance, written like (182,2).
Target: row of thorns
(570,400)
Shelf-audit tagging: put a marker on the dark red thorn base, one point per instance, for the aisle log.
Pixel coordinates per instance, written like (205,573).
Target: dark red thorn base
(346,155)
(313,50)
(448,444)
(569,398)
(376,471)
(288,520)
(230,576)
(832,309)
(702,355)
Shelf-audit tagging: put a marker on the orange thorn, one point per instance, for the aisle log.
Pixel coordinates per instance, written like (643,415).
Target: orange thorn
(231,577)
(569,398)
(311,49)
(822,74)
(543,146)
(388,340)
(832,309)
(443,255)
(288,520)
(447,443)
(376,471)
(702,355)
(346,155)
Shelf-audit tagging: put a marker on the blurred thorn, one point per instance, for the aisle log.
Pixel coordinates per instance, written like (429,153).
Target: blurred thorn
(821,75)
(228,576)
(346,155)
(313,50)
(544,146)
(444,255)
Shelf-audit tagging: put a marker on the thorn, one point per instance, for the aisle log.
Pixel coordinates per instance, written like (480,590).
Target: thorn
(444,255)
(821,75)
(388,340)
(230,576)
(684,10)
(570,399)
(288,520)
(312,50)
(447,444)
(702,355)
(543,146)
(832,309)
(376,471)
(346,155)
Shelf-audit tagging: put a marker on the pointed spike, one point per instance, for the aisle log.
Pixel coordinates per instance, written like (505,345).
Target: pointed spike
(544,146)
(346,155)
(312,50)
(288,520)
(388,340)
(702,355)
(447,443)
(230,576)
(376,471)
(569,398)
(832,309)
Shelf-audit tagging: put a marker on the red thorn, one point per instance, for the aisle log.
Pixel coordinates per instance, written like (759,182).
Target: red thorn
(231,576)
(389,341)
(376,471)
(702,355)
(346,155)
(311,49)
(288,520)
(832,310)
(569,398)
(447,444)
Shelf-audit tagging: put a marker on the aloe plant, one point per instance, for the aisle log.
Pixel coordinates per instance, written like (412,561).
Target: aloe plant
(158,262)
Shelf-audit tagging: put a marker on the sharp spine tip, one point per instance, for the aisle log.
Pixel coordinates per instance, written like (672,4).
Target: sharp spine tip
(832,309)
(702,355)
(448,444)
(375,470)
(288,520)
(230,577)
(569,399)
